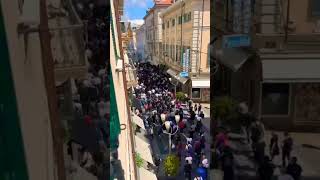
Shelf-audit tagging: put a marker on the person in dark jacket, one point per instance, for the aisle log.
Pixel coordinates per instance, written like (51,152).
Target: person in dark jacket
(286,148)
(266,169)
(294,169)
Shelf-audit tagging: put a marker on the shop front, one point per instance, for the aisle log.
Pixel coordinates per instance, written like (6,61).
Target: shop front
(200,90)
(290,94)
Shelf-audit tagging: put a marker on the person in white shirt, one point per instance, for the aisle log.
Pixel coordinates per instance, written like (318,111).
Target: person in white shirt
(189,159)
(205,162)
(198,178)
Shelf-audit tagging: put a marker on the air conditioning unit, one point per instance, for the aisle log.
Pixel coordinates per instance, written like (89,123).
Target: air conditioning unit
(119,66)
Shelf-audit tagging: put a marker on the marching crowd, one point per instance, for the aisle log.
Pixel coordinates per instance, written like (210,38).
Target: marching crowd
(92,97)
(289,169)
(167,115)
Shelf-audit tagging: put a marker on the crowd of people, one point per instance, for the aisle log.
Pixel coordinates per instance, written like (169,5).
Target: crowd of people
(91,100)
(168,115)
(255,131)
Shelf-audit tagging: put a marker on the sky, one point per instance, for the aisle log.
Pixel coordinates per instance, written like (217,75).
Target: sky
(135,10)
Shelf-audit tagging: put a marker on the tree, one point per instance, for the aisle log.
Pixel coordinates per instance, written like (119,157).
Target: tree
(171,165)
(224,108)
(181,97)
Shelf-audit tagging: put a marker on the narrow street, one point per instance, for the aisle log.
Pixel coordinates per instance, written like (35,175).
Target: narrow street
(154,96)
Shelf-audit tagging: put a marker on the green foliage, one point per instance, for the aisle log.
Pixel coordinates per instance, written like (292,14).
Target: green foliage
(224,108)
(139,160)
(181,97)
(171,165)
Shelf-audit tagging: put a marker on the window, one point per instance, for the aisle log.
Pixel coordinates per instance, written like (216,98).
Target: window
(189,16)
(196,93)
(163,26)
(173,22)
(20,4)
(275,99)
(315,8)
(168,24)
(180,20)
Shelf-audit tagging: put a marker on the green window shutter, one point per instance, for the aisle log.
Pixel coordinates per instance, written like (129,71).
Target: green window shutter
(12,159)
(114,117)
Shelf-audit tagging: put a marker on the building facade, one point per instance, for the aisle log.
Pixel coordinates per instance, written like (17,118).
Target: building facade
(276,73)
(185,40)
(153,35)
(121,143)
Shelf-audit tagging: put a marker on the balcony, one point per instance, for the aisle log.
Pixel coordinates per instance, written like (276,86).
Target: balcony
(67,43)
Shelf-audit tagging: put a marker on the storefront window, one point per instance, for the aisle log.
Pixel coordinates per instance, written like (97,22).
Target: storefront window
(196,93)
(275,99)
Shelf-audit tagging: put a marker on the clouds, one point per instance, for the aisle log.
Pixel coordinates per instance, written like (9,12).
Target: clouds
(137,3)
(137,21)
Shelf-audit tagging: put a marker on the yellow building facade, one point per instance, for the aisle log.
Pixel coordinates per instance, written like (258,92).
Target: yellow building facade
(186,29)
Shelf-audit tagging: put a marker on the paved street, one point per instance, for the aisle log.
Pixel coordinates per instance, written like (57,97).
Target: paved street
(306,149)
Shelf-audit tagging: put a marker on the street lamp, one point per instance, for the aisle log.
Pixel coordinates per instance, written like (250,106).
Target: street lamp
(175,87)
(167,125)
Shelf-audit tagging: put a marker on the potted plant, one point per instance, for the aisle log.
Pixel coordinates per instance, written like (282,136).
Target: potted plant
(171,165)
(139,160)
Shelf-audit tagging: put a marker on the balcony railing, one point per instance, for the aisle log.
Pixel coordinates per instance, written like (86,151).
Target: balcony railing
(68,43)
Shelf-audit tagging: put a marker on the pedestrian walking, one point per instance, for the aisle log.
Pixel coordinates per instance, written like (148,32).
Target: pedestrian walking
(228,164)
(260,152)
(205,162)
(294,169)
(187,171)
(274,146)
(188,159)
(266,169)
(286,148)
(195,107)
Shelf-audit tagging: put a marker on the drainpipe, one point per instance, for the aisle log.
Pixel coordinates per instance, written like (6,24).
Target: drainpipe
(287,23)
(201,37)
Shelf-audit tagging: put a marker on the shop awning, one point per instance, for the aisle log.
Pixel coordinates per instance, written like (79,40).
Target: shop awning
(175,75)
(232,58)
(172,72)
(201,83)
(144,150)
(138,121)
(145,174)
(292,70)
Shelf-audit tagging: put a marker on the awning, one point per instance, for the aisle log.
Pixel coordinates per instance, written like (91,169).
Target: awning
(292,70)
(138,121)
(233,58)
(175,75)
(145,174)
(201,83)
(171,72)
(144,150)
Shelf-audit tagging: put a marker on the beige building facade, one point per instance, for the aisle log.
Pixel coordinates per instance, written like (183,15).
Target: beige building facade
(153,35)
(186,29)
(277,74)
